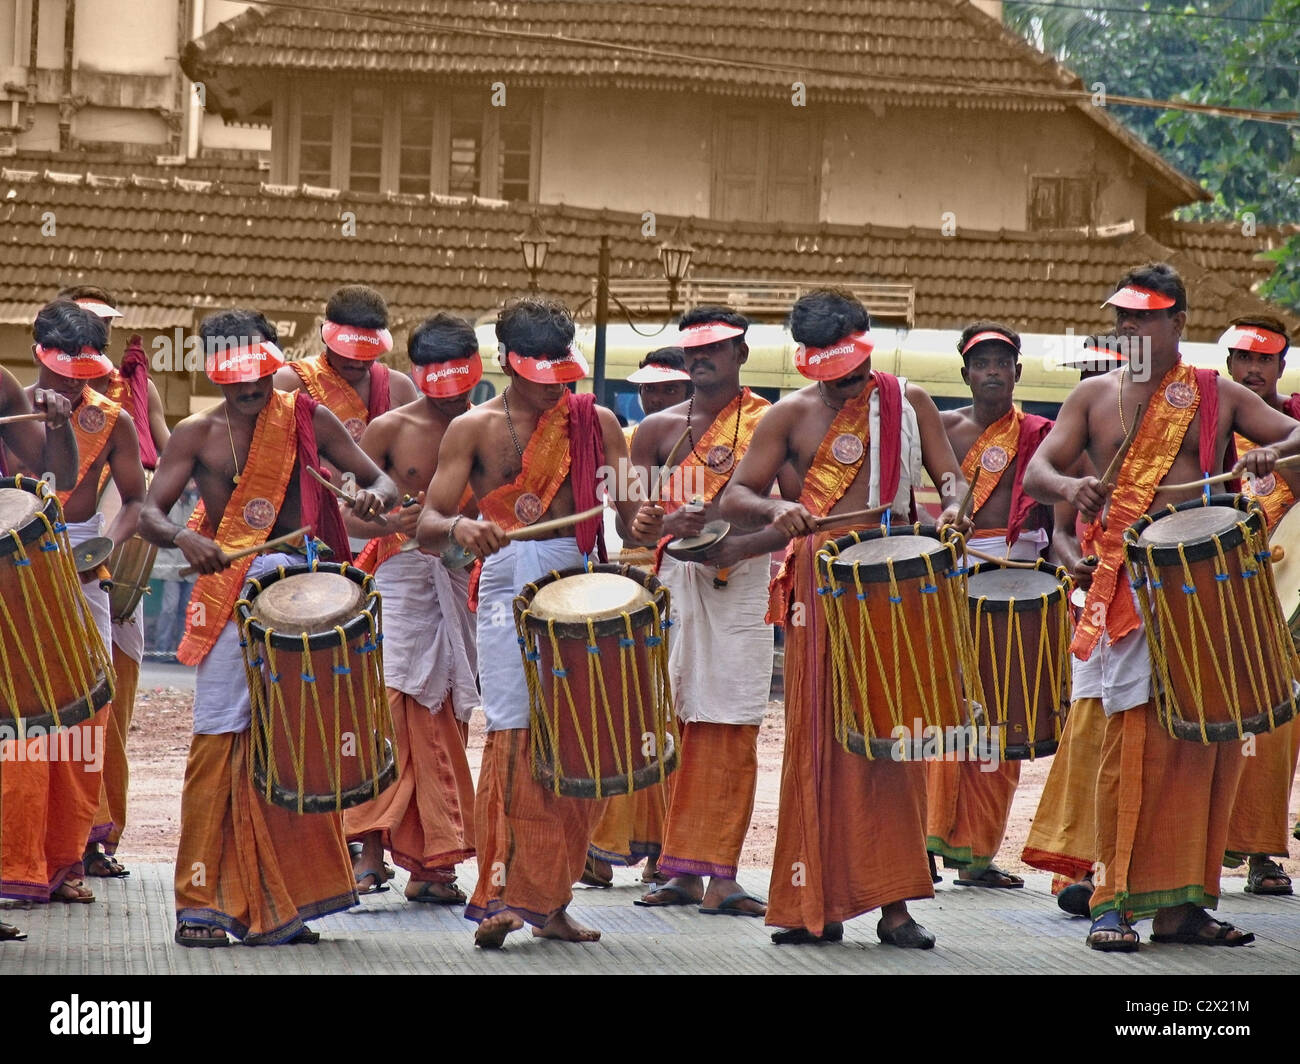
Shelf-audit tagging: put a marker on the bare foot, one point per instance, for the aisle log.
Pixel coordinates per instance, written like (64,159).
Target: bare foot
(563,928)
(492,932)
(651,873)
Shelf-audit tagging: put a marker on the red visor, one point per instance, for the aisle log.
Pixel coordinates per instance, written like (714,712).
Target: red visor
(709,332)
(446,380)
(86,366)
(1253,338)
(1094,356)
(99,308)
(248,362)
(836,360)
(983,337)
(653,374)
(352,341)
(1131,297)
(572,367)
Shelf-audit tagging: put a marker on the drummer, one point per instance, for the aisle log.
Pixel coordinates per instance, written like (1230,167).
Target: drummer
(533,452)
(131,387)
(1147,869)
(244,866)
(850,832)
(717,601)
(49,808)
(968,805)
(1259,828)
(426,821)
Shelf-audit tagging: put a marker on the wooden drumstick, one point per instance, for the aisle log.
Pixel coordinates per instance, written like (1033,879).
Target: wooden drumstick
(556,523)
(852,516)
(279,541)
(378,519)
(661,482)
(11,419)
(1113,468)
(1006,563)
(1222,477)
(964,509)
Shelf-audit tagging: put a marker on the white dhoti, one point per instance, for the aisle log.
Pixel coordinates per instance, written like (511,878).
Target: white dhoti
(1117,673)
(128,635)
(96,596)
(1028,547)
(720,651)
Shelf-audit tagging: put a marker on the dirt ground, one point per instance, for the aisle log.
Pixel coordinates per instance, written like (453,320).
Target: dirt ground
(159,742)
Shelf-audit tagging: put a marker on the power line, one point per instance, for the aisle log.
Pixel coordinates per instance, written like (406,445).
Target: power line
(1106,9)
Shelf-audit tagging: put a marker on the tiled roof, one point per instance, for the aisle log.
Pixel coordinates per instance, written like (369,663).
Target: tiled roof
(239,168)
(165,245)
(1230,250)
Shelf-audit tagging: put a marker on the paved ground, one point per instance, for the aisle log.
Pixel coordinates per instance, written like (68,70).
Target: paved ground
(129,931)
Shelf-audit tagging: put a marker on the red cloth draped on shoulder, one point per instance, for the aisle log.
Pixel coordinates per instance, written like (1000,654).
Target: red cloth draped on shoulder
(135,371)
(1033,430)
(379,391)
(318,508)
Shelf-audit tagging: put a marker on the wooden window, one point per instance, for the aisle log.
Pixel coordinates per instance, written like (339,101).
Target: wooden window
(516,137)
(415,138)
(467,114)
(766,168)
(1060,202)
(316,139)
(366,143)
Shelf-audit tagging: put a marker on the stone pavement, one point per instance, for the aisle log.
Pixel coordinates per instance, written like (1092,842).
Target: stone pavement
(129,931)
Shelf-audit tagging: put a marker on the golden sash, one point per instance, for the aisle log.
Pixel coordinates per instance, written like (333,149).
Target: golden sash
(1271,492)
(338,396)
(697,477)
(1109,605)
(250,515)
(546,467)
(828,477)
(92,422)
(992,454)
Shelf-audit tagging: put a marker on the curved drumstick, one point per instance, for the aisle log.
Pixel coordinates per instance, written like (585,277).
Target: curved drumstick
(555,523)
(820,524)
(1006,563)
(279,541)
(1222,477)
(378,519)
(11,419)
(661,481)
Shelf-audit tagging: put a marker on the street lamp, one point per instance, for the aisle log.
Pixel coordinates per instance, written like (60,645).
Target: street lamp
(675,256)
(534,243)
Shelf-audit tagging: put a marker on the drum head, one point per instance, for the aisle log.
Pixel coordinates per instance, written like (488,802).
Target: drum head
(308,603)
(1002,585)
(588,596)
(1190,525)
(17,507)
(1286,573)
(890,548)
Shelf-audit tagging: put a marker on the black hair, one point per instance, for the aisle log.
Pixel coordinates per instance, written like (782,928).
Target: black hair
(824,315)
(977,327)
(441,338)
(1272,324)
(357,305)
(1159,277)
(87,291)
(225,329)
(668,357)
(535,327)
(705,315)
(64,325)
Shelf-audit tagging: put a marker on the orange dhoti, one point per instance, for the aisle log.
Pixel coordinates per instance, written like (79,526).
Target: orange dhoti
(712,800)
(51,787)
(1163,806)
(1063,835)
(632,828)
(967,810)
(117,775)
(248,867)
(426,817)
(850,834)
(1259,825)
(531,842)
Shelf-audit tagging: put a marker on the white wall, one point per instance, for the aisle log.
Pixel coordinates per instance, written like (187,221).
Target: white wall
(138,37)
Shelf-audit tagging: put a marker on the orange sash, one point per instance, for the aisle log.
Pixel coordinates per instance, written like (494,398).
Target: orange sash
(1152,453)
(993,454)
(707,480)
(92,422)
(338,396)
(1271,492)
(250,515)
(546,467)
(828,478)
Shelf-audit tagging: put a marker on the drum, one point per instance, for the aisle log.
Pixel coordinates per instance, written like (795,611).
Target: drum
(1221,655)
(1286,569)
(322,732)
(54,667)
(1020,622)
(131,562)
(900,642)
(595,649)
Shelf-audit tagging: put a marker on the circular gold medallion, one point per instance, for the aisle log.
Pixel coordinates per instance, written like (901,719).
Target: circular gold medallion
(720,458)
(91,419)
(847,448)
(259,513)
(993,459)
(528,508)
(1180,395)
(355,427)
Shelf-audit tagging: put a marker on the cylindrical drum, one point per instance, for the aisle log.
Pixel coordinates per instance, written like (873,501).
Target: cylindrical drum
(322,732)
(1222,658)
(901,663)
(54,667)
(595,649)
(131,562)
(1020,621)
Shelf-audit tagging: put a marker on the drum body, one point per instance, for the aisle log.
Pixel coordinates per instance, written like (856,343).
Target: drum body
(1221,655)
(1020,622)
(595,649)
(900,643)
(322,732)
(54,667)
(130,563)
(1286,571)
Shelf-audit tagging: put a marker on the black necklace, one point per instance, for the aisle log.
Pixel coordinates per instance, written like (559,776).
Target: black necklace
(510,423)
(690,433)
